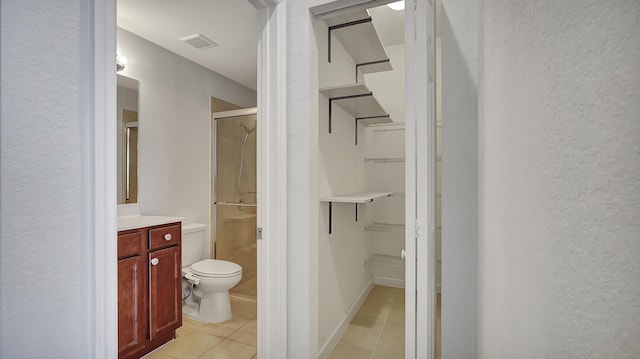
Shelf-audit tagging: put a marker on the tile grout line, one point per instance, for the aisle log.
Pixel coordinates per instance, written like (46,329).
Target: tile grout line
(382,330)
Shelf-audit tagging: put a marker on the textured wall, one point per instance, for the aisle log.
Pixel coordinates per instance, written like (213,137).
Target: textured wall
(560,190)
(45,204)
(459,46)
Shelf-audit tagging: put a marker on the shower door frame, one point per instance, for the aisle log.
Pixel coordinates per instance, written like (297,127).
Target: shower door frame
(213,214)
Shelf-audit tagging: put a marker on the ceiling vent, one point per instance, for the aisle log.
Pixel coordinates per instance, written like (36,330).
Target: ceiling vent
(198,41)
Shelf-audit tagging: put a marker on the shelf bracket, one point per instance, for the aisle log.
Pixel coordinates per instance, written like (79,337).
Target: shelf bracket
(331,99)
(330,203)
(364,118)
(339,26)
(356,212)
(369,63)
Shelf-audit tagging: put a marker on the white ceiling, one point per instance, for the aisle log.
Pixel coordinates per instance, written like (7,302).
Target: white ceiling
(230,23)
(389,24)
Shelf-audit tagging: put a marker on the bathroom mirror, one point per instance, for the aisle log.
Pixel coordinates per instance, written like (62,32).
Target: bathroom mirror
(127,139)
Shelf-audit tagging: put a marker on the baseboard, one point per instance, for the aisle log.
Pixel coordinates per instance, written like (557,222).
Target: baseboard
(388,282)
(331,343)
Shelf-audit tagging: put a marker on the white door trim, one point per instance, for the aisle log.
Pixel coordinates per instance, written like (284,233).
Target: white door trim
(272,178)
(103,228)
(420,179)
(272,294)
(410,183)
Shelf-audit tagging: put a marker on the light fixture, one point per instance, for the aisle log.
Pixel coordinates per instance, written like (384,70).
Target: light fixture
(398,5)
(121,62)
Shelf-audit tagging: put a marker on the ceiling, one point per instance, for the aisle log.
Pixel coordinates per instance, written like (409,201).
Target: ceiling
(229,23)
(389,24)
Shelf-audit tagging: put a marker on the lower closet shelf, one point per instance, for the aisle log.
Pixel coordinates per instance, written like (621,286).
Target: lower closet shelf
(355,198)
(384,227)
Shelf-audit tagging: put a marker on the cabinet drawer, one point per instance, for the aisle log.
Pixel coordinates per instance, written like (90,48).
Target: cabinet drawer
(129,244)
(165,236)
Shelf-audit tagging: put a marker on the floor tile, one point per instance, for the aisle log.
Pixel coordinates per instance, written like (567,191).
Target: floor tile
(374,310)
(344,351)
(386,354)
(158,354)
(190,346)
(364,337)
(230,350)
(384,292)
(247,334)
(223,329)
(244,308)
(392,337)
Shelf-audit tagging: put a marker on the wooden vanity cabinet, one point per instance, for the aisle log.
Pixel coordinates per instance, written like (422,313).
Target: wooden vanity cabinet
(131,292)
(149,288)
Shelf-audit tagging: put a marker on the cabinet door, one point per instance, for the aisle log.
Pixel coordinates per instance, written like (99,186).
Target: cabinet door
(165,291)
(131,304)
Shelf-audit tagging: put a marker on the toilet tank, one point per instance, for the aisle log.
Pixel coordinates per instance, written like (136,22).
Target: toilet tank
(193,239)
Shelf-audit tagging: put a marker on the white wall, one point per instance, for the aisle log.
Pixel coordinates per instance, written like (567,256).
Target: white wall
(459,33)
(560,169)
(174,127)
(45,185)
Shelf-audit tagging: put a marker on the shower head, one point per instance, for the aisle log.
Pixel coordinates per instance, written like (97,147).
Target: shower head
(249,130)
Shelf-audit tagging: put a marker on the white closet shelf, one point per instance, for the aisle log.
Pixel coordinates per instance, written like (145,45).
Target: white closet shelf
(384,159)
(359,37)
(358,101)
(385,227)
(355,198)
(385,259)
(360,197)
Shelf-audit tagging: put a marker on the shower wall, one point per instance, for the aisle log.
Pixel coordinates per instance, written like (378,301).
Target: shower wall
(235,197)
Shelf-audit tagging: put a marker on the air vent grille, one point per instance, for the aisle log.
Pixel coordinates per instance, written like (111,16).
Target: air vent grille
(198,41)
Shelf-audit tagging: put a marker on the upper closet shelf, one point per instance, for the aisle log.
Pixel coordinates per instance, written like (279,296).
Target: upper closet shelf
(361,197)
(359,37)
(358,101)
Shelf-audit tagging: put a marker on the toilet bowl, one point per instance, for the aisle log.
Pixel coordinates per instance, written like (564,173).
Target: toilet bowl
(209,280)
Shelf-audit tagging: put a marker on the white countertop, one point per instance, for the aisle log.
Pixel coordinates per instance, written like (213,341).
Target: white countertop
(133,222)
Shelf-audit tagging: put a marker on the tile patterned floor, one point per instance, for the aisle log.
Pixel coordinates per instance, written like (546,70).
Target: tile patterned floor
(377,329)
(233,339)
(376,332)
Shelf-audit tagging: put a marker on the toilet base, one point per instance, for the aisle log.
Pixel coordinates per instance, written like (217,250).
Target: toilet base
(214,308)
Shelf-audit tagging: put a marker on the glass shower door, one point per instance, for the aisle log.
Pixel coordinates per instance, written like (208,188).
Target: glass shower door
(235,195)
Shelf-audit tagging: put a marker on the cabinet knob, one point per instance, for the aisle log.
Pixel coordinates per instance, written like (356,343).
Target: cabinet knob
(168,237)
(155,261)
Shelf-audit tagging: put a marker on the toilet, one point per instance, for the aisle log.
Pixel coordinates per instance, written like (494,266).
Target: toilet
(206,282)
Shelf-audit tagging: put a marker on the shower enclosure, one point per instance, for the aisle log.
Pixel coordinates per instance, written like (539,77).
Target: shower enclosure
(234,196)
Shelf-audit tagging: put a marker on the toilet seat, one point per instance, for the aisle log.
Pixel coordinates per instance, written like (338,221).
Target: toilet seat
(215,268)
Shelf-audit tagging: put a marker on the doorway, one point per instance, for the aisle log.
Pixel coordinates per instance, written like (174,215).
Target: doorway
(377,165)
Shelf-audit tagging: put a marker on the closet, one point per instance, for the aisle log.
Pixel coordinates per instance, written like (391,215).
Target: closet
(361,162)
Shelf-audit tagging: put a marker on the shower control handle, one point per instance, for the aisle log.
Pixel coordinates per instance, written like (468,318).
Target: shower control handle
(155,261)
(168,237)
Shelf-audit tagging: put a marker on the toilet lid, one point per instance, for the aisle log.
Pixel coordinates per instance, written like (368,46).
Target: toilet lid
(215,268)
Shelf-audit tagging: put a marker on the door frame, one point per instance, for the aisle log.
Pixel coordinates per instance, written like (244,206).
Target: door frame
(272,250)
(213,170)
(272,178)
(420,176)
